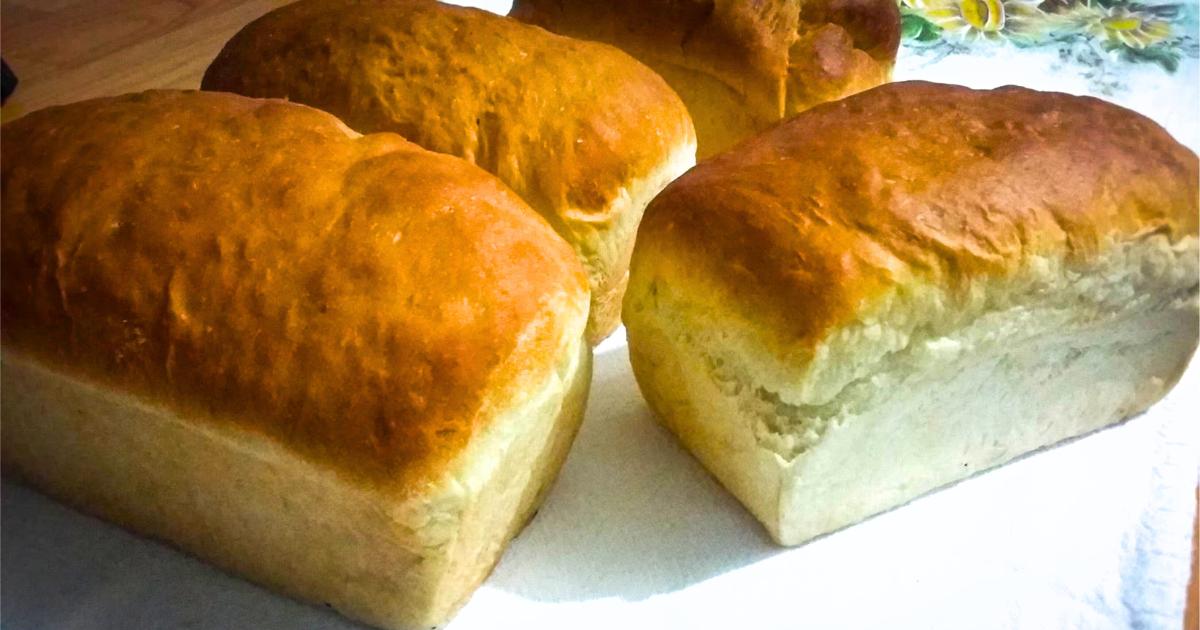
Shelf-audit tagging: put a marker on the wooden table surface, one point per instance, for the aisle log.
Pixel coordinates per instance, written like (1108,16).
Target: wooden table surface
(70,50)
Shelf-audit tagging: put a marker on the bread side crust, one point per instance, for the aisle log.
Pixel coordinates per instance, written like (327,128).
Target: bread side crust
(508,472)
(929,402)
(244,502)
(605,247)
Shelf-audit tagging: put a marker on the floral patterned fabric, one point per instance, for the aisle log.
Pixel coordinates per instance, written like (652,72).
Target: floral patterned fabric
(1139,33)
(1142,55)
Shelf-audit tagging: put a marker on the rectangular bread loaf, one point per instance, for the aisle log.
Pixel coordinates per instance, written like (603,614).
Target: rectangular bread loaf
(893,292)
(339,365)
(740,67)
(580,130)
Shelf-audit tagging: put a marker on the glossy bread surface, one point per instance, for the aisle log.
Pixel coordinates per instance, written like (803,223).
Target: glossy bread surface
(918,182)
(359,299)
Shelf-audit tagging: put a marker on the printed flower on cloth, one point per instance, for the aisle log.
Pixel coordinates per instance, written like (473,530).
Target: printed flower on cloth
(1094,31)
(1120,26)
(990,19)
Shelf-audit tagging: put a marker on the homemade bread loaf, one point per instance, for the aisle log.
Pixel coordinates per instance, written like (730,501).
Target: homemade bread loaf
(893,292)
(583,132)
(740,66)
(339,365)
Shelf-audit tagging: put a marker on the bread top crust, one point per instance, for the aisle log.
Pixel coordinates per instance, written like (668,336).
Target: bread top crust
(565,123)
(359,299)
(781,56)
(805,225)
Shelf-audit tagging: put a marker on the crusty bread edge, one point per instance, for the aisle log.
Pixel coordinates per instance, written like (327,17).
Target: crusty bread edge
(676,348)
(249,505)
(605,248)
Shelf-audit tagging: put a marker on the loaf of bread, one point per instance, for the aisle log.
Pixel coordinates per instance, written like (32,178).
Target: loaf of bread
(740,66)
(339,365)
(583,132)
(893,292)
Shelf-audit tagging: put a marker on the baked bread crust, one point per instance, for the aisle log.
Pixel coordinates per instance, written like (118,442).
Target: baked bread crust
(359,299)
(740,66)
(890,293)
(917,182)
(585,134)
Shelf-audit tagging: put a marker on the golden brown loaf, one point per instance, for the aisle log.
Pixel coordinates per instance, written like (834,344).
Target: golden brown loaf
(921,180)
(350,314)
(909,285)
(740,66)
(581,131)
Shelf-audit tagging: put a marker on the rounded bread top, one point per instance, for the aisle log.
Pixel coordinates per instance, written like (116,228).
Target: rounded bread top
(566,123)
(357,298)
(807,223)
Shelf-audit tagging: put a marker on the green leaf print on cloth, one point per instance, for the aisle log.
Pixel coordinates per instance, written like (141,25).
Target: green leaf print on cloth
(1091,32)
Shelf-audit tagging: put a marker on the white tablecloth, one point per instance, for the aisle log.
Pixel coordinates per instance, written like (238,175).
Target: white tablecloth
(1092,534)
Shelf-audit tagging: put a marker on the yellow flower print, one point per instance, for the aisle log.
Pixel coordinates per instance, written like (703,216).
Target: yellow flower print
(985,19)
(1120,26)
